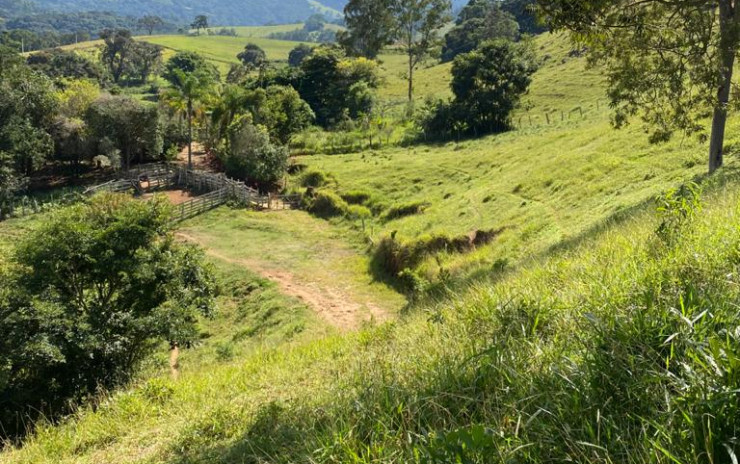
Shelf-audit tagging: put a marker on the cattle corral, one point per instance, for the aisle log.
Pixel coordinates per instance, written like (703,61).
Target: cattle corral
(191,191)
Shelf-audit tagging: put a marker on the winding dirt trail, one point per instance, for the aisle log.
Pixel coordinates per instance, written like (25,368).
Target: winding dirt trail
(331,303)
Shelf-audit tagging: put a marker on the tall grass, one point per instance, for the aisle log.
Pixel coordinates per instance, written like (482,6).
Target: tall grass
(622,349)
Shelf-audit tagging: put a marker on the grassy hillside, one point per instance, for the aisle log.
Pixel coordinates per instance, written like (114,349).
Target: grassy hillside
(541,184)
(586,356)
(586,336)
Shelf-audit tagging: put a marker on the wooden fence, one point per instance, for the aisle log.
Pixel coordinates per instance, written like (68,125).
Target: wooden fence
(118,186)
(200,204)
(216,189)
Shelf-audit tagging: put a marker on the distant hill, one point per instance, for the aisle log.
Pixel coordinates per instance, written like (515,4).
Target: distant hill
(219,12)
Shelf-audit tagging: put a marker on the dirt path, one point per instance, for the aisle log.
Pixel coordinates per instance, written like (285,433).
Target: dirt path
(331,303)
(199,157)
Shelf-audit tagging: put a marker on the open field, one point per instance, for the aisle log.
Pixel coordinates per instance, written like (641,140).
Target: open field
(484,357)
(543,184)
(305,256)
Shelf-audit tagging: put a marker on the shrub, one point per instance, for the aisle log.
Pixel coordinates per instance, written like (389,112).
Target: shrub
(356,197)
(314,179)
(251,155)
(393,257)
(328,204)
(92,293)
(408,209)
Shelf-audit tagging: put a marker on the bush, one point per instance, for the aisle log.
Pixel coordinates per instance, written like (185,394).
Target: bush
(91,293)
(251,156)
(408,209)
(328,204)
(356,197)
(314,179)
(393,256)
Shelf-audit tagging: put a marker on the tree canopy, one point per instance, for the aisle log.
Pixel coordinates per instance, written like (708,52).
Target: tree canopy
(671,63)
(88,295)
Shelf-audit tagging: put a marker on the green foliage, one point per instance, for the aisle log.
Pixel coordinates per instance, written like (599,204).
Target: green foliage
(200,22)
(314,178)
(676,210)
(91,293)
(337,87)
(327,204)
(671,82)
(313,30)
(370,27)
(284,113)
(253,56)
(487,84)
(298,54)
(525,12)
(131,126)
(69,64)
(479,21)
(150,23)
(418,23)
(251,155)
(189,63)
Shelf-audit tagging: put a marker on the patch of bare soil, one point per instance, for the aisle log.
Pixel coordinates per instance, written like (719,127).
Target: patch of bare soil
(200,157)
(175,196)
(331,303)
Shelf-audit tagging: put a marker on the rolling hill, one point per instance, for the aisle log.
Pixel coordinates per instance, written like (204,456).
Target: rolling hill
(583,333)
(219,12)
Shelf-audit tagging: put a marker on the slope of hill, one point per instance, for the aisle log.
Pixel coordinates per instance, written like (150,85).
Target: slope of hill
(219,12)
(601,340)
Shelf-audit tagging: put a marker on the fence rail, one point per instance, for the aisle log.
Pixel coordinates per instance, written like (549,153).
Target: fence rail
(201,204)
(217,189)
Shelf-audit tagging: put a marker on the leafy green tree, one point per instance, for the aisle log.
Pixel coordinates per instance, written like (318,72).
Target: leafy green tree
(670,62)
(284,113)
(525,13)
(418,23)
(132,126)
(487,84)
(145,60)
(200,22)
(314,23)
(188,90)
(10,184)
(117,48)
(89,295)
(61,63)
(298,54)
(188,62)
(326,83)
(489,81)
(71,142)
(150,23)
(27,109)
(370,27)
(252,55)
(479,21)
(28,145)
(75,97)
(251,155)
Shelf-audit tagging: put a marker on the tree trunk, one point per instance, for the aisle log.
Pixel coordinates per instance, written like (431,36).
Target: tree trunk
(411,77)
(728,47)
(190,135)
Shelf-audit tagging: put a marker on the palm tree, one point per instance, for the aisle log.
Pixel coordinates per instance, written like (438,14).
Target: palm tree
(232,101)
(189,89)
